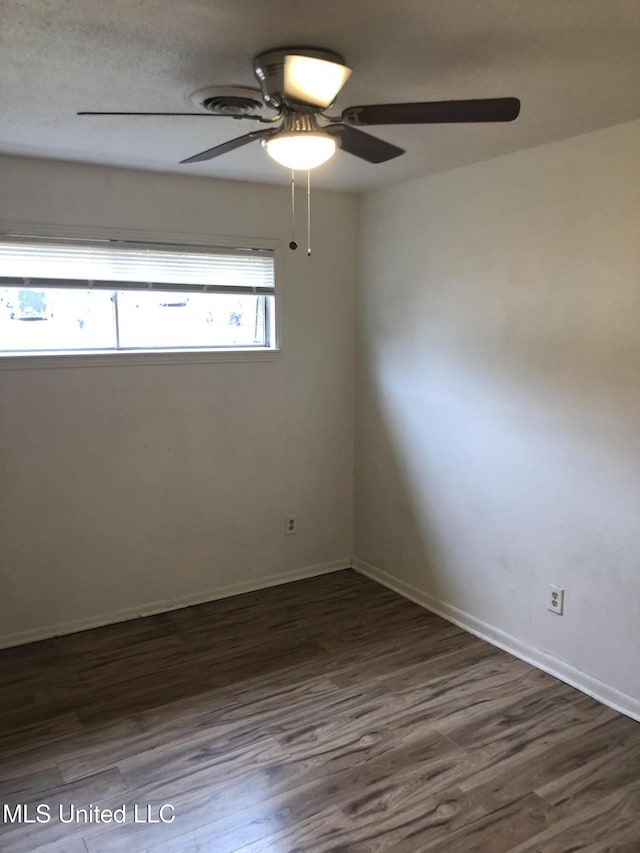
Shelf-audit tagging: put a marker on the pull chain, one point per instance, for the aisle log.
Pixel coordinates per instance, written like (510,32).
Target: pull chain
(293,244)
(308,212)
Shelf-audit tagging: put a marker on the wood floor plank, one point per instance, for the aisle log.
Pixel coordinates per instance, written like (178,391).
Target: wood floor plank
(37,735)
(366,808)
(333,830)
(107,786)
(68,844)
(192,678)
(606,751)
(458,699)
(598,772)
(609,823)
(221,714)
(362,799)
(501,830)
(24,786)
(326,716)
(534,719)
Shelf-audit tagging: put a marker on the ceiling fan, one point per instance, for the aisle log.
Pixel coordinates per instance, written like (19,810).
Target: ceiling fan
(300,84)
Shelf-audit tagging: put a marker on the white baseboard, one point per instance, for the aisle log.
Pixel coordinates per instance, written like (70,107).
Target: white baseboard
(593,687)
(22,637)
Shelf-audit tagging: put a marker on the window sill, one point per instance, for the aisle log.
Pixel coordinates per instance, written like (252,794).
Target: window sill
(133,358)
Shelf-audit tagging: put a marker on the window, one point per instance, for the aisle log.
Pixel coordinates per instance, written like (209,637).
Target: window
(70,296)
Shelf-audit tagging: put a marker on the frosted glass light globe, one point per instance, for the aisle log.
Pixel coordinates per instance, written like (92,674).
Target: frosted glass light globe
(300,150)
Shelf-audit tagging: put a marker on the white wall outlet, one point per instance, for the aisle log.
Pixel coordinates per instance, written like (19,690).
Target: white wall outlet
(555,600)
(291,525)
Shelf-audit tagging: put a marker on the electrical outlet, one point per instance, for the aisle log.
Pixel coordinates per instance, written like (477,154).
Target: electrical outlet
(555,601)
(291,525)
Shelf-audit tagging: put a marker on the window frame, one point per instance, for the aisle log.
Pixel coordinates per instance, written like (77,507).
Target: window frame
(129,357)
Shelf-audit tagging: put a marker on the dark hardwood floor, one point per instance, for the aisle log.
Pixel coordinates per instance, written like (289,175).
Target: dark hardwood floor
(325,715)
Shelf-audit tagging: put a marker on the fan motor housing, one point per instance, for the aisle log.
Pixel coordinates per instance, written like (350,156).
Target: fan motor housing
(269,70)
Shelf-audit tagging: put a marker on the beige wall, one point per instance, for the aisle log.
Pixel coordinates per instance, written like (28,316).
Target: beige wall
(127,486)
(498,419)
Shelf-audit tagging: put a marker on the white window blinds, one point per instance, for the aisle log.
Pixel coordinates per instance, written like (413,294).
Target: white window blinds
(116,265)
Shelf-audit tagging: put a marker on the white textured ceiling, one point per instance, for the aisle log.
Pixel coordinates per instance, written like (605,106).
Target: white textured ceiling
(575,65)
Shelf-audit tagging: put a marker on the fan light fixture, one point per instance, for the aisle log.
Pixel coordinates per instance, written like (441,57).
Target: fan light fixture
(299,84)
(300,149)
(314,81)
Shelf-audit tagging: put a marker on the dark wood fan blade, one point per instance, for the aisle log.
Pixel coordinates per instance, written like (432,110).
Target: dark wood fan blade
(231,145)
(434,112)
(363,145)
(207,115)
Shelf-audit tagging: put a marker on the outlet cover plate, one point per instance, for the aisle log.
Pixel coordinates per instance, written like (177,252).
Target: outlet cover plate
(555,600)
